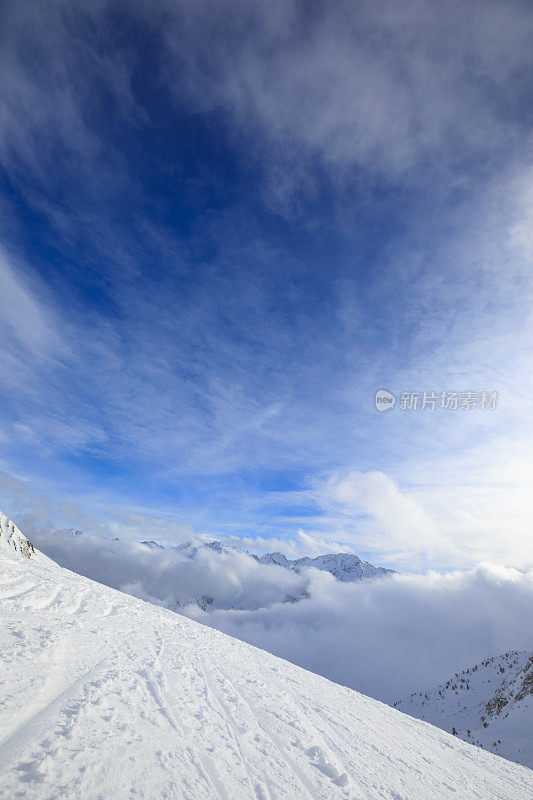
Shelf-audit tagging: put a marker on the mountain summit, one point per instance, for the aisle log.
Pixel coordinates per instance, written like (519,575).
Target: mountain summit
(343,566)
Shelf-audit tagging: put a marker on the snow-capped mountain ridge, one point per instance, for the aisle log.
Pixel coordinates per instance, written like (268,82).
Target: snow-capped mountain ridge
(343,566)
(104,695)
(13,540)
(71,532)
(489,705)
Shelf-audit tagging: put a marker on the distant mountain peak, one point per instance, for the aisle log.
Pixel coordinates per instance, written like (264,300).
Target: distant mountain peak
(214,545)
(153,545)
(346,567)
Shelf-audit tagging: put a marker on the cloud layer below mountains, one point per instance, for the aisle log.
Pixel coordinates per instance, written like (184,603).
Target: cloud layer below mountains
(385,638)
(167,577)
(389,637)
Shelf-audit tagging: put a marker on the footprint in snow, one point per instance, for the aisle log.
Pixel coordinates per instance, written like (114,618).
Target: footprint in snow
(318,760)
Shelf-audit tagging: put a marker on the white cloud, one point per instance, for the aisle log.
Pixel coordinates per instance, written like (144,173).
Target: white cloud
(356,84)
(389,637)
(46,94)
(386,519)
(301,544)
(314,546)
(261,544)
(166,576)
(25,319)
(351,84)
(521,228)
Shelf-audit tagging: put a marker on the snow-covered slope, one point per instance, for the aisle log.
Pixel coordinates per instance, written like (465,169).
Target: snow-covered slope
(343,566)
(105,696)
(490,705)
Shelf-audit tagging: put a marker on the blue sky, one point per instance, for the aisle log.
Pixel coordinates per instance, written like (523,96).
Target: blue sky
(223,227)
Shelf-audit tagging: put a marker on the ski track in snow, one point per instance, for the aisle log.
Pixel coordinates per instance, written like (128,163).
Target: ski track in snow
(103,697)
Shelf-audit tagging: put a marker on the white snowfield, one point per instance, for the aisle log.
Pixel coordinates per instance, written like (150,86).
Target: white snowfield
(106,696)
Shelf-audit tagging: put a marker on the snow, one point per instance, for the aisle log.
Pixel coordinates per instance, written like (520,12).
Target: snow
(489,705)
(106,696)
(13,541)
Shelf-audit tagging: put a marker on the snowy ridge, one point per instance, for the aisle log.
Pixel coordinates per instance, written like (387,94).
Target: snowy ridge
(106,696)
(12,540)
(489,705)
(343,566)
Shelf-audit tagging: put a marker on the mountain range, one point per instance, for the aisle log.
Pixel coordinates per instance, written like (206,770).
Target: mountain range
(343,566)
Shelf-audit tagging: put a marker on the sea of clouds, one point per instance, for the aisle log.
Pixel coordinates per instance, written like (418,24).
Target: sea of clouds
(384,637)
